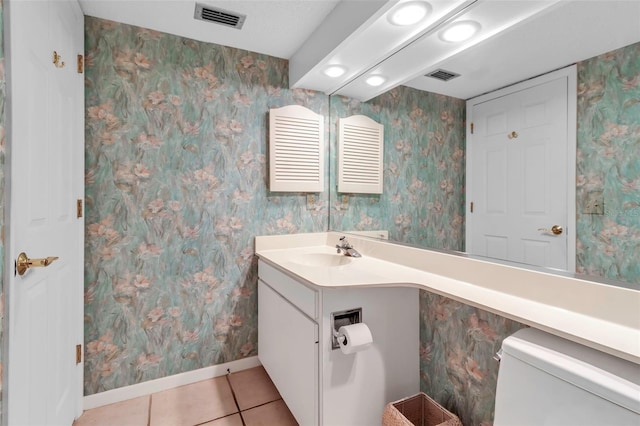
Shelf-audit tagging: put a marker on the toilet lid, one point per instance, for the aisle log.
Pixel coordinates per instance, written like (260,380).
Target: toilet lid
(611,378)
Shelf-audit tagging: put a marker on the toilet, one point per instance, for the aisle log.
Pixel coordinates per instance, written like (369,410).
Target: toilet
(546,380)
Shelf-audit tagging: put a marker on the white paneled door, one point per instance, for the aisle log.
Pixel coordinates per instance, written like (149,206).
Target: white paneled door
(46,105)
(520,172)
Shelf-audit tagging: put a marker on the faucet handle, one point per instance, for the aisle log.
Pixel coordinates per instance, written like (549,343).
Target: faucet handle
(345,242)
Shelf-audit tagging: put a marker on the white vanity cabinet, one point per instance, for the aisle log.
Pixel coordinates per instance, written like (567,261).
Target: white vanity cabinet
(321,385)
(288,342)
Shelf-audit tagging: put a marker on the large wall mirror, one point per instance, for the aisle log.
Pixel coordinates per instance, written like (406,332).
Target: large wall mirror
(423,203)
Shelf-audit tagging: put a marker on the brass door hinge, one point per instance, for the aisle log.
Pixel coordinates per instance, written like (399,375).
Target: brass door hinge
(80,64)
(79,208)
(78,354)
(471,128)
(472,207)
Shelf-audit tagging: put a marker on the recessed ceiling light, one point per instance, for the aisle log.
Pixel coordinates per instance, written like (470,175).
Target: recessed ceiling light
(375,80)
(409,13)
(335,71)
(460,31)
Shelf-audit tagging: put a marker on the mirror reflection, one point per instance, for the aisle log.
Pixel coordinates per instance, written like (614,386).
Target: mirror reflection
(423,202)
(423,198)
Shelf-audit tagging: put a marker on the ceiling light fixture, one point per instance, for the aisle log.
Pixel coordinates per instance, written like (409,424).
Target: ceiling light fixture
(460,31)
(375,80)
(334,71)
(409,13)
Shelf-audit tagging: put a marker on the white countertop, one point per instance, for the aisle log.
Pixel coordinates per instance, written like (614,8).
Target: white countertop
(597,315)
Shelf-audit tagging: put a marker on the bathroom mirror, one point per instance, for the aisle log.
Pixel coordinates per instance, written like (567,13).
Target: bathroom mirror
(423,203)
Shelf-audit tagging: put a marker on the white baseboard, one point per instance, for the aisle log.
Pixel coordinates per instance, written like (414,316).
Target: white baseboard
(169,382)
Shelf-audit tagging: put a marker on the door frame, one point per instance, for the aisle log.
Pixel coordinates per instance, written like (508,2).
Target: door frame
(8,251)
(570,73)
(8,264)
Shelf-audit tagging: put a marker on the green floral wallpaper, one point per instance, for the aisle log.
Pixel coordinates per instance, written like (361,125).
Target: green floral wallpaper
(609,163)
(176,191)
(423,198)
(423,204)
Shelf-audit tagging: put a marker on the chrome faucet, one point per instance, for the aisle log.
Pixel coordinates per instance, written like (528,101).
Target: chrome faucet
(347,248)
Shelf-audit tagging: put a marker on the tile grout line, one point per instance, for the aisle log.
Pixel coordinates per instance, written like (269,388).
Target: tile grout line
(265,403)
(233,393)
(149,411)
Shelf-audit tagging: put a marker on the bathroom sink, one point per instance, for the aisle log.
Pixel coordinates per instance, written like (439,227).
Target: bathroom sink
(325,260)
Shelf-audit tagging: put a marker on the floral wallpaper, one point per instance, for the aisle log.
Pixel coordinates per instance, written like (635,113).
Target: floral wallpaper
(609,163)
(177,188)
(457,345)
(423,204)
(424,167)
(176,191)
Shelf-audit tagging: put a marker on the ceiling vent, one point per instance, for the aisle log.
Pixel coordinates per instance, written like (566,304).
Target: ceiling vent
(219,16)
(442,75)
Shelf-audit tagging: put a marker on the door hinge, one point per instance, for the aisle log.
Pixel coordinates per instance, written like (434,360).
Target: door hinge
(472,128)
(80,64)
(472,207)
(78,354)
(79,208)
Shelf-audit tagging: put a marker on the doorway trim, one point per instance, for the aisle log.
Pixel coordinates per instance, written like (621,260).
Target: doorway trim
(570,73)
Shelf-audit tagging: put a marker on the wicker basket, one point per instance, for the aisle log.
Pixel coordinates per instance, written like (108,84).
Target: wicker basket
(418,410)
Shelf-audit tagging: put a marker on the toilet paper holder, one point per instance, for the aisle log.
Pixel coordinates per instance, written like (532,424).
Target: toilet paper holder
(342,318)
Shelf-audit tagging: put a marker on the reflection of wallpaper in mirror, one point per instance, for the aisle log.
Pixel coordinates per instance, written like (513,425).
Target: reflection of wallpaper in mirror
(609,163)
(360,155)
(423,198)
(423,203)
(457,340)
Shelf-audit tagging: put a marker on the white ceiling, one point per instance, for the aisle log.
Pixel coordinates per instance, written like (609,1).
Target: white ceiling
(273,27)
(562,32)
(566,33)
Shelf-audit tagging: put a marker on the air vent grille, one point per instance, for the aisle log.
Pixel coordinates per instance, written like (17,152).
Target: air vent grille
(442,75)
(219,16)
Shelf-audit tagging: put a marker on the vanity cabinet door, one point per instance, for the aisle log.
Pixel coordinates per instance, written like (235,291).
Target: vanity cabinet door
(288,350)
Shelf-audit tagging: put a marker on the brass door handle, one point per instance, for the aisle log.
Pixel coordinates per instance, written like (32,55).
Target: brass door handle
(555,230)
(23,262)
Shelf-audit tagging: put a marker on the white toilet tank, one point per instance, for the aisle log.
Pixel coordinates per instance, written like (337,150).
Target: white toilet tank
(546,380)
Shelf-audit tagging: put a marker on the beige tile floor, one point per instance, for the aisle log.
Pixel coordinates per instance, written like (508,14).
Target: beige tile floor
(245,398)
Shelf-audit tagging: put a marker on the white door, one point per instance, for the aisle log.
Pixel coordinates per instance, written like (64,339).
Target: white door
(46,103)
(519,176)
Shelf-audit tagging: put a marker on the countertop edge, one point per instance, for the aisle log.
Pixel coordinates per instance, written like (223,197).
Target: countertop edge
(609,337)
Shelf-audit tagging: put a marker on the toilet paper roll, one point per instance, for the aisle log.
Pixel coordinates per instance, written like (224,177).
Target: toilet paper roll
(357,337)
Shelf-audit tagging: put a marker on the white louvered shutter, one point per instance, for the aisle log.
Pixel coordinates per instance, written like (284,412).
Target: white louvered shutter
(360,153)
(296,150)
